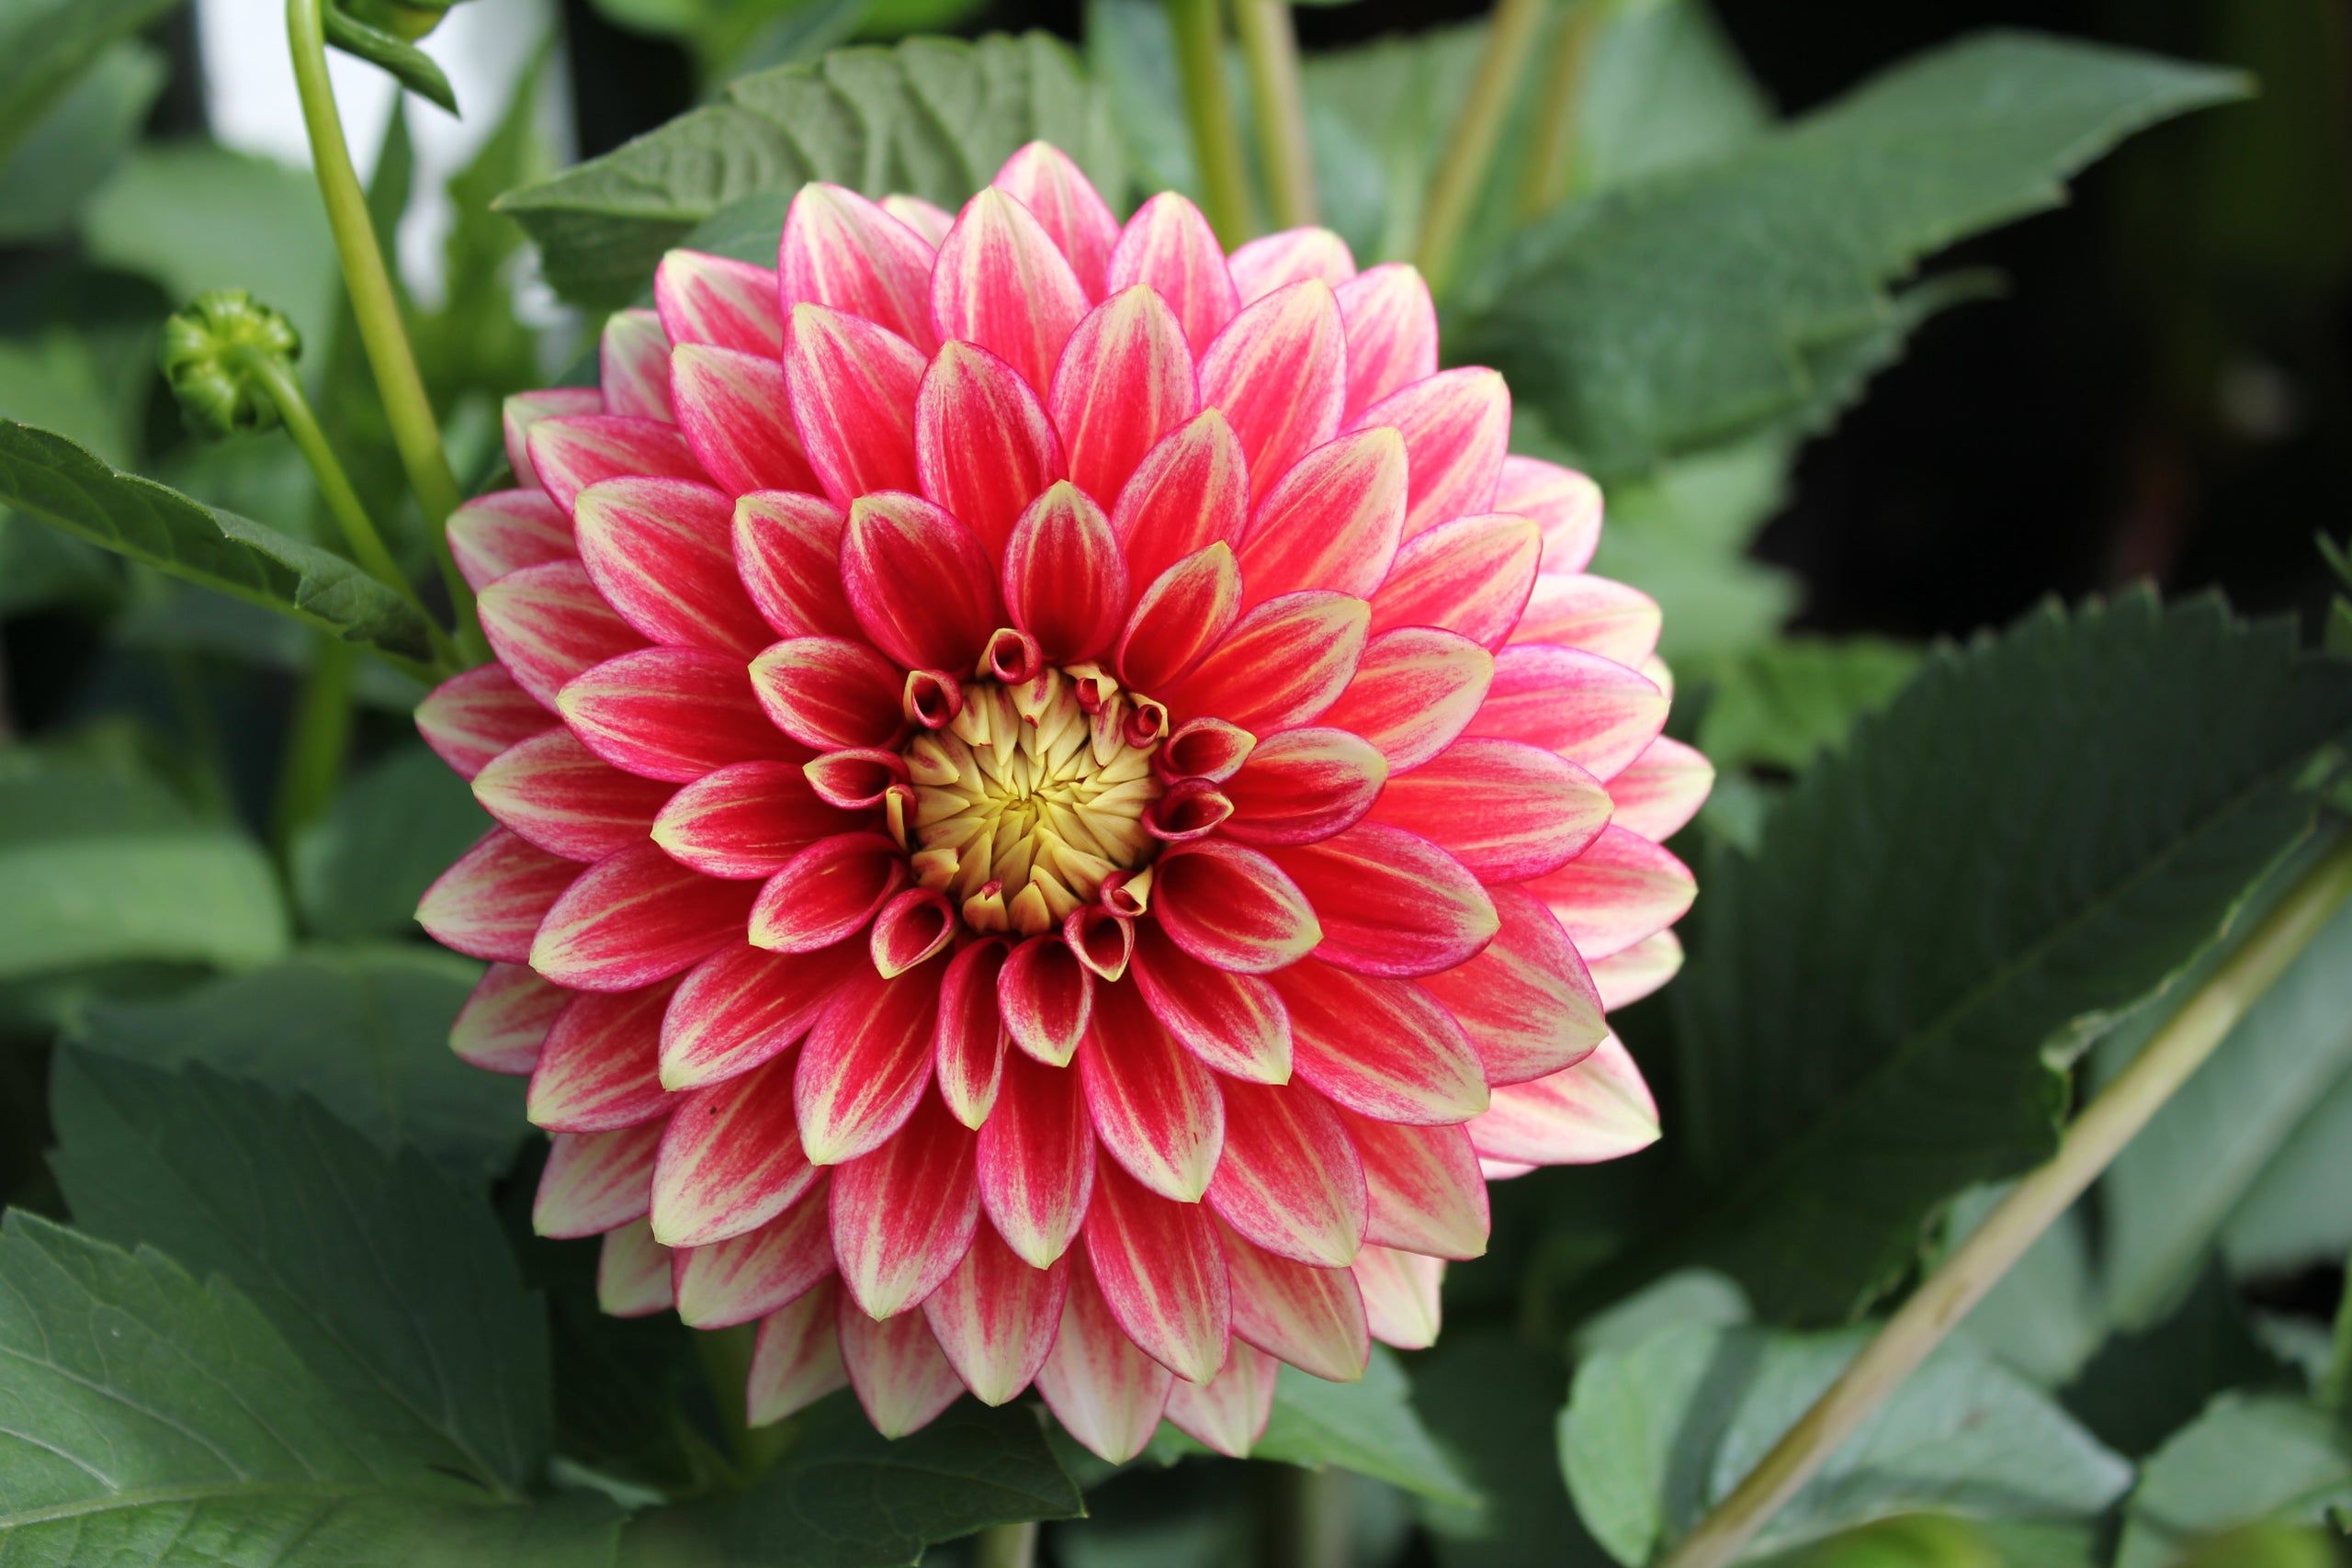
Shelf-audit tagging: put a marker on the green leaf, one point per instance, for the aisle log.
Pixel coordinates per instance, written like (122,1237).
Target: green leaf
(1716,299)
(1492,1400)
(44,475)
(1655,1434)
(78,143)
(2243,1460)
(406,63)
(398,824)
(156,1419)
(364,1031)
(843,1497)
(1368,1427)
(932,117)
(2141,1388)
(1781,705)
(2043,828)
(45,47)
(393,1284)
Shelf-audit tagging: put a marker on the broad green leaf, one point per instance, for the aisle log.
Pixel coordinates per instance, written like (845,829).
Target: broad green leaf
(2142,1388)
(843,1497)
(153,1418)
(2243,1460)
(1725,297)
(45,476)
(1492,1400)
(932,117)
(2040,830)
(1655,1434)
(364,1031)
(1368,1426)
(1780,705)
(393,1284)
(180,621)
(78,143)
(396,826)
(45,47)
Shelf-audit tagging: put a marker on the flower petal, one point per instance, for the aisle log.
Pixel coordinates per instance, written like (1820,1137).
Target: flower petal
(731,1159)
(1232,908)
(1161,1273)
(759,1271)
(1289,1179)
(866,1062)
(1624,978)
(741,1007)
(1155,1108)
(1065,580)
(633,1273)
(995,1318)
(635,918)
(1057,193)
(1506,810)
(1332,521)
(1392,332)
(827,893)
(1313,1318)
(1001,282)
(1563,503)
(1279,372)
(1381,1046)
(1169,246)
(1234,1023)
(468,719)
(566,799)
(597,1070)
(505,1019)
(1400,1296)
(1621,889)
(852,388)
(571,453)
(919,583)
(796,1359)
(1414,689)
(1283,663)
(788,552)
(1189,491)
(903,1215)
(1526,1002)
(1472,575)
(735,410)
(912,926)
(547,623)
(1037,1159)
(670,713)
(983,444)
(596,1182)
(902,1380)
(969,1043)
(1661,790)
(1277,261)
(1427,1195)
(830,692)
(1599,715)
(522,412)
(633,365)
(662,554)
(1598,1110)
(704,298)
(1125,381)
(1044,997)
(489,903)
(1618,623)
(1389,902)
(1455,424)
(840,250)
(930,222)
(1303,785)
(1099,1385)
(746,821)
(1229,1411)
(506,531)
(1189,610)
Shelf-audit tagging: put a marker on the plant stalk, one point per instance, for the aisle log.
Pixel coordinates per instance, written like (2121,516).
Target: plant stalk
(1270,44)
(415,432)
(2097,1137)
(1006,1546)
(1306,1518)
(317,740)
(1557,107)
(1216,142)
(1471,149)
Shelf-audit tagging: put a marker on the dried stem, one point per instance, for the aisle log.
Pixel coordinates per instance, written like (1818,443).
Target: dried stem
(1270,44)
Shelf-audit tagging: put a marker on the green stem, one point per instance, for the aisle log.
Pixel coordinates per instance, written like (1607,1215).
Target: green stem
(1216,144)
(2336,1393)
(725,1356)
(1270,44)
(415,432)
(1306,1518)
(1557,107)
(317,740)
(2094,1139)
(1005,1546)
(1463,173)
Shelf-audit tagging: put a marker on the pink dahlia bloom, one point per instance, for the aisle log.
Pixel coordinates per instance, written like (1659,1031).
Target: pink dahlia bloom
(1064,807)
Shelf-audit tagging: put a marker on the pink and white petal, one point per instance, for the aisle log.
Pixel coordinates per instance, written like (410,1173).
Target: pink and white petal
(1161,1273)
(1229,1411)
(1277,261)
(1169,246)
(547,623)
(1302,784)
(827,893)
(1473,575)
(1330,522)
(704,298)
(1400,1296)
(1624,978)
(969,1043)
(506,531)
(522,410)
(984,446)
(1036,1159)
(489,903)
(735,411)
(505,1019)
(759,1271)
(731,1159)
(633,365)
(1593,711)
(1456,424)
(1661,790)
(1278,371)
(662,554)
(1231,907)
(1392,332)
(1283,663)
(633,1273)
(1526,1002)
(788,552)
(1179,617)
(1596,1110)
(930,222)
(1063,201)
(902,1380)
(1124,380)
(1189,491)
(742,1006)
(1502,1169)
(1099,1383)
(672,713)
(1312,1318)
(1563,503)
(594,1182)
(853,387)
(1155,1108)
(1621,889)
(919,581)
(1389,902)
(746,820)
(1594,614)
(599,1068)
(995,1318)
(1426,1193)
(1002,283)
(796,1359)
(1234,1023)
(635,918)
(1290,1180)
(904,1215)
(566,799)
(1065,580)
(1381,1047)
(1506,810)
(468,719)
(842,250)
(830,692)
(863,1069)
(1205,749)
(1414,691)
(1045,996)
(570,454)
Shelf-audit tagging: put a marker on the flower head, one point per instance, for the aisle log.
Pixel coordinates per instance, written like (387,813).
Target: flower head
(210,352)
(1064,808)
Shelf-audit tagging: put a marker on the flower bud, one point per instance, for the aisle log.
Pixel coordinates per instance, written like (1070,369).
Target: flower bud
(408,19)
(203,357)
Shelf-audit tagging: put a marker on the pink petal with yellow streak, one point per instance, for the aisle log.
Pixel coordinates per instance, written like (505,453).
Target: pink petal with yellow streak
(547,623)
(1125,381)
(995,1318)
(505,1019)
(1425,1191)
(1312,1318)
(742,1006)
(1063,201)
(1179,617)
(1623,979)
(1098,1383)
(1563,503)
(1392,332)
(566,799)
(1283,663)
(1289,1179)
(788,552)
(866,1062)
(1229,1411)
(984,446)
(1231,907)
(1621,889)
(468,719)
(1044,997)
(1293,255)
(1302,784)
(853,387)
(1473,576)
(919,581)
(904,1215)
(1065,580)
(827,893)
(1414,690)
(830,692)
(1331,523)
(1278,372)
(731,1160)
(1661,790)
(930,221)
(506,531)
(735,411)
(1596,713)
(1618,623)
(1389,902)
(1400,1296)
(1379,1046)
(1001,282)
(1169,246)
(1506,810)
(1234,1023)
(568,454)
(633,1273)
(969,1043)
(596,1182)
(1598,1110)
(1527,1002)
(796,1358)
(840,250)
(489,903)
(1161,1274)
(1455,424)
(522,410)
(746,820)
(635,918)
(1191,491)
(753,1274)
(633,365)
(704,298)
(1037,1164)
(662,553)
(1155,1108)
(670,713)
(902,1380)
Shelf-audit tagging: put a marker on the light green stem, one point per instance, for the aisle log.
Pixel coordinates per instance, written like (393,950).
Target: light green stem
(1308,1518)
(1270,44)
(415,432)
(726,1357)
(2094,1140)
(317,740)
(1463,173)
(1557,107)
(1005,1546)
(1216,143)
(2336,1393)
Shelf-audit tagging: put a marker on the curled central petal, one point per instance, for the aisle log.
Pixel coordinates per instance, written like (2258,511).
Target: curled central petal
(1031,797)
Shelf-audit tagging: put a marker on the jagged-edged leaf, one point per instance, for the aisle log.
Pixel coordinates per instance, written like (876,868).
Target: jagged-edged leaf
(1748,291)
(2042,829)
(1787,701)
(43,475)
(2243,1460)
(930,117)
(46,45)
(406,63)
(395,827)
(393,1284)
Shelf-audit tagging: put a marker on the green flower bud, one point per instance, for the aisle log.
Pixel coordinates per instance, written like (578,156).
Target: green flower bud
(409,19)
(204,358)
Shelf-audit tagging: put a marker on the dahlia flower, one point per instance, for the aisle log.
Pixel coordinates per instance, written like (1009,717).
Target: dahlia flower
(1063,806)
